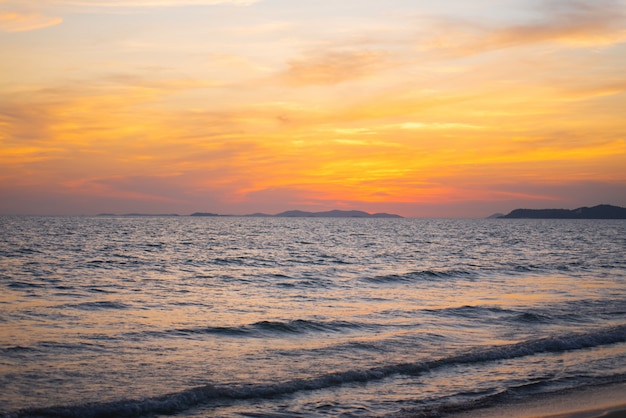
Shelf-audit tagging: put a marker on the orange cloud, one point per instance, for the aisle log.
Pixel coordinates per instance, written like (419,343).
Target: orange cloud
(334,67)
(371,122)
(20,22)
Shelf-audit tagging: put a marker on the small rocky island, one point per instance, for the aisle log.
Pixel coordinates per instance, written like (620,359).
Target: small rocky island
(595,212)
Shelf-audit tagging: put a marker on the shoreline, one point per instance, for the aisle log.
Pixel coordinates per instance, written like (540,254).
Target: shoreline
(605,401)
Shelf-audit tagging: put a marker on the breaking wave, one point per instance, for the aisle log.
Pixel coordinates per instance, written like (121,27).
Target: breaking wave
(184,400)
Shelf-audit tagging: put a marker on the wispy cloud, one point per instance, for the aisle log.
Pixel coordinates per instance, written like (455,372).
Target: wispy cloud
(581,22)
(146,3)
(20,22)
(26,15)
(273,106)
(332,67)
(261,29)
(576,23)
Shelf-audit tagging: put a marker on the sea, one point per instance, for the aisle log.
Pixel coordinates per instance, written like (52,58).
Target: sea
(304,317)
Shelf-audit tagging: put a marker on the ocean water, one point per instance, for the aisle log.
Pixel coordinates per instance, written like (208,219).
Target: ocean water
(273,317)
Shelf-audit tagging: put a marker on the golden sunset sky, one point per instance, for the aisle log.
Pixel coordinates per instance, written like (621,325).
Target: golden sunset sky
(447,108)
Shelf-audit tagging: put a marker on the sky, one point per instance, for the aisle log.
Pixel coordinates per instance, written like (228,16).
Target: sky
(421,108)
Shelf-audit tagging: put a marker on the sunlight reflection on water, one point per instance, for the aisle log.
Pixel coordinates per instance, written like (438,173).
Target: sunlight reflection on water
(103,309)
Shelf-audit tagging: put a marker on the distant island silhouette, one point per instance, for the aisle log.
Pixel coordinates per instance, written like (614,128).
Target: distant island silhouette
(133,215)
(334,214)
(595,212)
(205,214)
(287,214)
(304,214)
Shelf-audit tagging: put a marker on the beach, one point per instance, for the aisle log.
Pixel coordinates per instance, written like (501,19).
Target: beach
(608,401)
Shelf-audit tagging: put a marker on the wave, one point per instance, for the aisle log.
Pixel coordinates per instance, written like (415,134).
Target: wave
(269,328)
(532,318)
(575,311)
(299,326)
(47,346)
(484,399)
(418,276)
(469,311)
(24,285)
(472,272)
(187,399)
(25,251)
(95,306)
(489,313)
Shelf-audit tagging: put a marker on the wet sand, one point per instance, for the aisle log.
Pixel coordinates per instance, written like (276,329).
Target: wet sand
(603,401)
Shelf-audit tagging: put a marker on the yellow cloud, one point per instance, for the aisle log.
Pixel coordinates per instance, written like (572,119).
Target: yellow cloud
(435,126)
(592,91)
(348,127)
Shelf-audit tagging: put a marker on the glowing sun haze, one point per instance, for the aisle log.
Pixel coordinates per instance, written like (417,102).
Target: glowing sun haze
(422,108)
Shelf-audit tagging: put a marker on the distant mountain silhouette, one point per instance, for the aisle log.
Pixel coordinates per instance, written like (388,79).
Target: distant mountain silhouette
(596,212)
(136,215)
(287,214)
(332,214)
